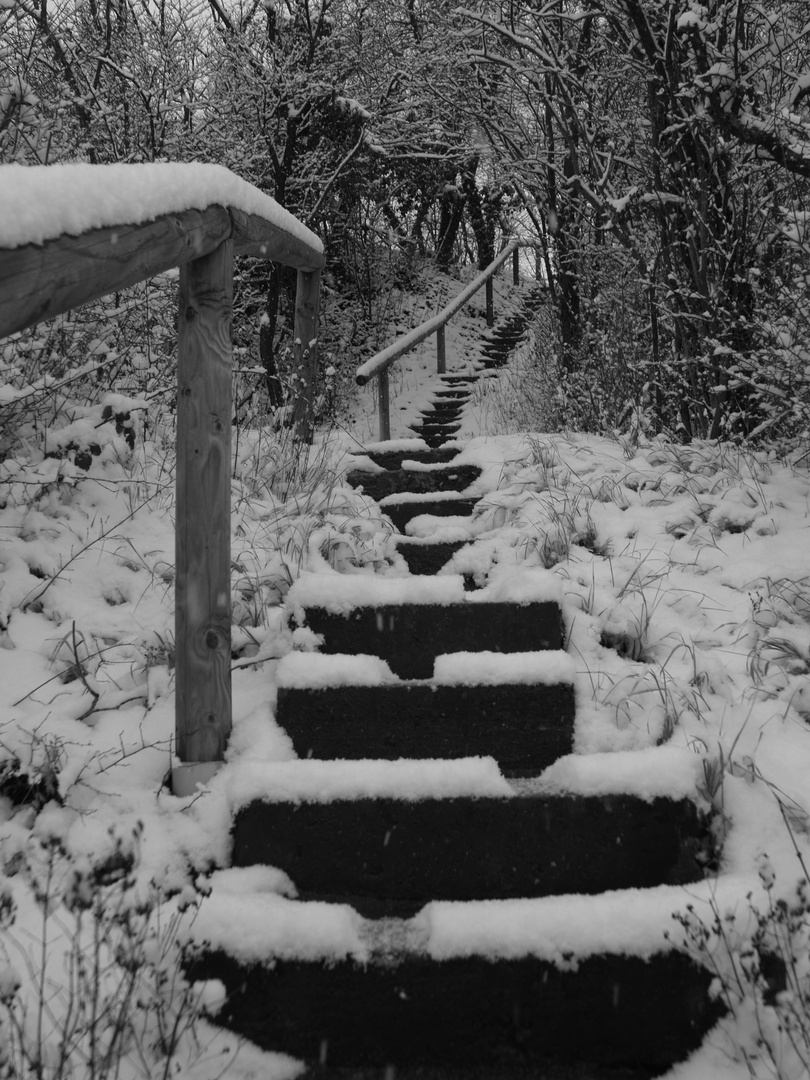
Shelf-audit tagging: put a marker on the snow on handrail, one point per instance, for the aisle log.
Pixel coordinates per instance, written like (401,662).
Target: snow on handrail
(70,234)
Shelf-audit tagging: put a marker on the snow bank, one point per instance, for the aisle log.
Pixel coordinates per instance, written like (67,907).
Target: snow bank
(341,593)
(255,879)
(253,928)
(314,671)
(443,527)
(395,446)
(326,781)
(426,497)
(42,202)
(657,771)
(450,535)
(533,585)
(564,929)
(491,669)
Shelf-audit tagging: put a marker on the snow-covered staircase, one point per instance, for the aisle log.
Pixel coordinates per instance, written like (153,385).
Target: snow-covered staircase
(442,419)
(409,895)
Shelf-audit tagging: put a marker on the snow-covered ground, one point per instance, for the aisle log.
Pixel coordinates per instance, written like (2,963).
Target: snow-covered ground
(685,578)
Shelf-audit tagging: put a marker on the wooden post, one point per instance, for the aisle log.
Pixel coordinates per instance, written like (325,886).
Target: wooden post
(516,266)
(440,353)
(490,303)
(305,351)
(382,404)
(203,516)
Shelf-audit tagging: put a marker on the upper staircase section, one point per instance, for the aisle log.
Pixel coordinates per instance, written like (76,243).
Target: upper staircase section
(439,423)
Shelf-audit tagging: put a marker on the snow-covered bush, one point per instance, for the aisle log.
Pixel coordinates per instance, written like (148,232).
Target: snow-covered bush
(91,984)
(760,958)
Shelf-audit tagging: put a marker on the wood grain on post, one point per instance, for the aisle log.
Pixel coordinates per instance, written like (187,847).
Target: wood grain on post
(305,352)
(203,525)
(441,362)
(383,407)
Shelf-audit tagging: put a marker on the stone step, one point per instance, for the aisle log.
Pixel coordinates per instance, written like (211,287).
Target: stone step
(524,727)
(435,434)
(500,1071)
(391,856)
(506,337)
(441,412)
(409,636)
(402,508)
(426,556)
(410,1010)
(393,459)
(418,481)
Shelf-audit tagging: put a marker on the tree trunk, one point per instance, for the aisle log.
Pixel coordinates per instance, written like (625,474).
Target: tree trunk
(481,226)
(452,210)
(267,338)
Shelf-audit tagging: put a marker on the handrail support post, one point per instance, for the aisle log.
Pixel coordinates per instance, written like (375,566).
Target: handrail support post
(382,403)
(203,512)
(490,303)
(441,363)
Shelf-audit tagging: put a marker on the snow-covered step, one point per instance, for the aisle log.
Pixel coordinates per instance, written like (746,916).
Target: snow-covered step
(425,556)
(443,409)
(379,484)
(404,506)
(610,1012)
(435,432)
(574,979)
(519,708)
(394,452)
(410,621)
(388,837)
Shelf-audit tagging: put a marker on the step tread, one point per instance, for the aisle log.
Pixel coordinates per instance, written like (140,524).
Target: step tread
(378,485)
(615,1010)
(370,988)
(427,557)
(247,916)
(409,637)
(393,855)
(333,670)
(525,728)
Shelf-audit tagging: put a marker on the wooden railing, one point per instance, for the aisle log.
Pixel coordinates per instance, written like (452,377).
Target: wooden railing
(379,363)
(38,281)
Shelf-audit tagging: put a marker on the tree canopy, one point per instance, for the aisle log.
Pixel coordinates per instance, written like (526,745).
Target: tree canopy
(657,152)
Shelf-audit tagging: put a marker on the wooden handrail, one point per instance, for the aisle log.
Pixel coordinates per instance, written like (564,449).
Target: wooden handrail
(40,280)
(379,364)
